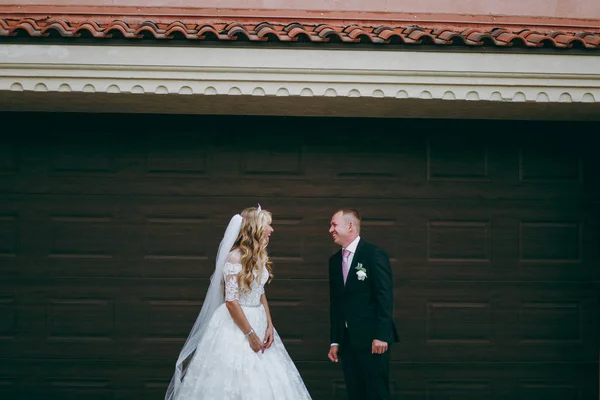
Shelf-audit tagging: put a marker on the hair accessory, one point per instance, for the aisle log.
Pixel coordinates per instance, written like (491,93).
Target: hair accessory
(259,208)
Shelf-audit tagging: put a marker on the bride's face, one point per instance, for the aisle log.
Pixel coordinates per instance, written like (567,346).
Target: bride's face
(268,230)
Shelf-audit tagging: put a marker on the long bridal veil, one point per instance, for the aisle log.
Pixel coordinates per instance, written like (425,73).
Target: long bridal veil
(214,298)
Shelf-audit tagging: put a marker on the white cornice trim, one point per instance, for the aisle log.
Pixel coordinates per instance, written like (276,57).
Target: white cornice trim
(205,71)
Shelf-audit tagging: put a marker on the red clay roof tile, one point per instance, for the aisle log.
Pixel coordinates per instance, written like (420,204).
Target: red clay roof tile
(334,31)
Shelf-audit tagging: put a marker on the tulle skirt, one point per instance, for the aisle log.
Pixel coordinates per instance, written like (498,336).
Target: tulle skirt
(225,367)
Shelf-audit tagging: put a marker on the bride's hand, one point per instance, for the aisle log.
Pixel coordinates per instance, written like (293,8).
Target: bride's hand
(269,337)
(255,343)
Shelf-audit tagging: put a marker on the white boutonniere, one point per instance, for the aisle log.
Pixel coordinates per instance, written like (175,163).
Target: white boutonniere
(361,272)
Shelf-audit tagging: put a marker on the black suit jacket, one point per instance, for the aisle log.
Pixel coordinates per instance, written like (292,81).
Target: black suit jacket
(367,306)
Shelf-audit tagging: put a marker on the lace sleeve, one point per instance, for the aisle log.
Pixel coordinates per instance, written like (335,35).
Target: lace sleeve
(231,269)
(264,278)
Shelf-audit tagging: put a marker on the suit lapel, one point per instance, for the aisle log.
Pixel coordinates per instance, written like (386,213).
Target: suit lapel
(339,276)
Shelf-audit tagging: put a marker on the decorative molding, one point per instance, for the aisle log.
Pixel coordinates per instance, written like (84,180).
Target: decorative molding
(251,72)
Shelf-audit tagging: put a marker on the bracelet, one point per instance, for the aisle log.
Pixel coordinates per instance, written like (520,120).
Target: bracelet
(249,333)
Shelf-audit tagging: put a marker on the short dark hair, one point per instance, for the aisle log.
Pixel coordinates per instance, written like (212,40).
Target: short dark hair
(353,212)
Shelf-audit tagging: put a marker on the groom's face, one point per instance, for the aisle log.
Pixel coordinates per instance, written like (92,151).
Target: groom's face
(339,229)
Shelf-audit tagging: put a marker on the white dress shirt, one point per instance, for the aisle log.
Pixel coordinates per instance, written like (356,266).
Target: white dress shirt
(352,248)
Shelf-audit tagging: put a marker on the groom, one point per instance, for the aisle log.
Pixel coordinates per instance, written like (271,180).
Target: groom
(361,310)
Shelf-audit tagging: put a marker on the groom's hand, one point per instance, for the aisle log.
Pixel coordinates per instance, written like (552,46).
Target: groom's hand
(333,353)
(378,347)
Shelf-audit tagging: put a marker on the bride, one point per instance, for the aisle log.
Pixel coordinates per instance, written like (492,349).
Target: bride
(233,351)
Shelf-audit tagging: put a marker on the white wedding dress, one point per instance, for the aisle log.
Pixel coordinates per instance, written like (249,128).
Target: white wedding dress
(225,367)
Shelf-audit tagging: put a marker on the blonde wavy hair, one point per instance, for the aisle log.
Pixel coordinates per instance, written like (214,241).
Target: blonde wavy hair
(252,244)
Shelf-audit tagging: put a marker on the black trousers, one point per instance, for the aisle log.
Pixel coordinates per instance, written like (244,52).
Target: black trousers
(367,375)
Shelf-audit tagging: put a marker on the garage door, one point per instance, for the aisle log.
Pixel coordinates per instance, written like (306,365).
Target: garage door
(109,227)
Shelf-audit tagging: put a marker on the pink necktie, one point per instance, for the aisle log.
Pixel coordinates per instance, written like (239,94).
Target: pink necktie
(345,264)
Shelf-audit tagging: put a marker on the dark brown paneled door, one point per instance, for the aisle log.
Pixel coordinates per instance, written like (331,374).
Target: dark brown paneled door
(109,226)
